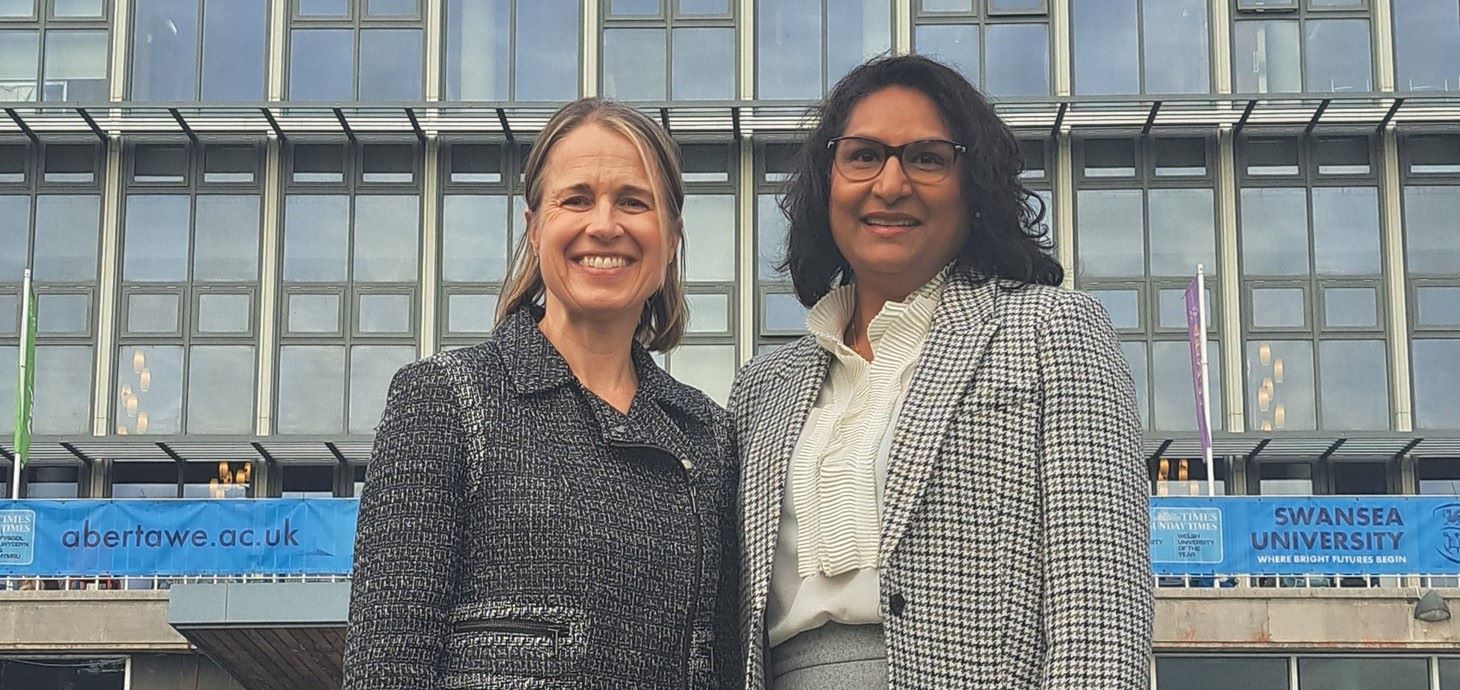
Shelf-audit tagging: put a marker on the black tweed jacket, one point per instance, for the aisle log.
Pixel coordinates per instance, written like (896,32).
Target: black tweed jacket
(516,531)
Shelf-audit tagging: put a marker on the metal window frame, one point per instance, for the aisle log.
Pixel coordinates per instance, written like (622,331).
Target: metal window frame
(357,23)
(982,17)
(1303,13)
(667,21)
(511,160)
(129,51)
(513,69)
(1140,21)
(764,186)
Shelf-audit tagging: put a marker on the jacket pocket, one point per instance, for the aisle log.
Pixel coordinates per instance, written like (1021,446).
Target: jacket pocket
(492,644)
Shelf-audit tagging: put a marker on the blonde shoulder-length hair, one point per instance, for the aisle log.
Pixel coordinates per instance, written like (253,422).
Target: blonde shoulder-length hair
(666,314)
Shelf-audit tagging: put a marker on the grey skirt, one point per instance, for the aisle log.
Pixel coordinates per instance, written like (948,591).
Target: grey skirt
(831,656)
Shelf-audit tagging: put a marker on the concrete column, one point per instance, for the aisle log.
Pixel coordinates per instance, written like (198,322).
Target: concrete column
(745,248)
(269,287)
(106,295)
(1230,287)
(430,219)
(1395,293)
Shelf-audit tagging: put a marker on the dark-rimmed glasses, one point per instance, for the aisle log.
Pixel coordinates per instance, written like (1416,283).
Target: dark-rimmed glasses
(924,162)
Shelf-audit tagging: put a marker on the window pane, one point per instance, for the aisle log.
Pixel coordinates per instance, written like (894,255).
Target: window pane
(1107,51)
(314,313)
(144,480)
(149,391)
(316,481)
(547,65)
(1350,307)
(1338,55)
(227,232)
(390,8)
(391,65)
(1430,154)
(61,314)
(316,237)
(1221,673)
(688,8)
(385,313)
(474,238)
(1280,385)
(862,30)
(62,389)
(17,8)
(9,356)
(388,163)
(321,65)
(319,163)
(1271,156)
(1011,6)
(786,33)
(1342,155)
(1278,308)
(77,8)
(476,163)
(76,66)
(1274,232)
(1353,674)
(1436,382)
(324,8)
(478,49)
(469,313)
(386,238)
(152,313)
(1182,231)
(1176,46)
(1355,384)
(1175,404)
(1109,157)
(1425,35)
(1179,157)
(70,163)
(955,45)
(164,50)
(1429,229)
(704,64)
(1124,306)
(1449,674)
(66,237)
(770,231)
(709,368)
(709,237)
(223,314)
(19,63)
(14,236)
(1110,242)
(235,37)
(633,64)
(1265,56)
(155,247)
(947,5)
(1135,357)
(1346,230)
(152,163)
(708,313)
(1438,306)
(784,313)
(311,390)
(370,370)
(9,315)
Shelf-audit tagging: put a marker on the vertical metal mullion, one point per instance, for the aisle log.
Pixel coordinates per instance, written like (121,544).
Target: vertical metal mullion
(434,31)
(588,58)
(1064,203)
(745,64)
(902,27)
(1060,39)
(429,284)
(278,43)
(1230,288)
(1391,228)
(121,29)
(1141,46)
(1221,52)
(106,299)
(268,288)
(745,199)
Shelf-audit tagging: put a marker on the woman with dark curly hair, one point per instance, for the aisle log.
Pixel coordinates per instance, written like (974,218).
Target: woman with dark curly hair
(942,482)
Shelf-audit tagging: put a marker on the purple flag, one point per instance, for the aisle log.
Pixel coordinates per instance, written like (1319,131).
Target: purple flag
(1196,336)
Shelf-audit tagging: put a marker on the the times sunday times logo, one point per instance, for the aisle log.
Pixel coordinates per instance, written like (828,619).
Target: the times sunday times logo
(17,537)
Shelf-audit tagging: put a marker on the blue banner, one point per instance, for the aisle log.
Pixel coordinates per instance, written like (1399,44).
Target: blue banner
(1301,535)
(168,538)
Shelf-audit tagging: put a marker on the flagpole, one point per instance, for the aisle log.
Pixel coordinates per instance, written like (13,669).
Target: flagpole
(25,383)
(1206,387)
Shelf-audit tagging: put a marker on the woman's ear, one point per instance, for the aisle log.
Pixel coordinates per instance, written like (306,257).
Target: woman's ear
(527,217)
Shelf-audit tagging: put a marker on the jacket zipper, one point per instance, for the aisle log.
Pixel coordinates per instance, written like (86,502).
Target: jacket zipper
(514,627)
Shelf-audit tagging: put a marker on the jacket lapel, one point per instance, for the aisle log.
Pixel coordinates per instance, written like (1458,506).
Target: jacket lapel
(962,328)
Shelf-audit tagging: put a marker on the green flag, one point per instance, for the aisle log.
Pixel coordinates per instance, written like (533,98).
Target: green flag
(25,382)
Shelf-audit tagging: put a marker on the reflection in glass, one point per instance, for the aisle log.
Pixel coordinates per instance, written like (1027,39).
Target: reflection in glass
(371,367)
(709,237)
(1280,385)
(155,245)
(687,8)
(149,391)
(144,480)
(1425,36)
(703,64)
(164,50)
(19,64)
(75,66)
(391,65)
(1182,231)
(1338,55)
(235,39)
(61,313)
(473,238)
(314,313)
(478,49)
(1278,308)
(955,45)
(9,314)
(1179,157)
(223,313)
(1173,308)
(387,234)
(9,360)
(1355,384)
(786,31)
(152,313)
(321,65)
(1107,49)
(1274,231)
(17,8)
(324,8)
(1135,357)
(1429,235)
(547,52)
(385,313)
(316,237)
(1346,230)
(856,30)
(1176,46)
(14,235)
(784,313)
(1110,242)
(470,313)
(633,8)
(78,9)
(1345,307)
(947,5)
(633,64)
(1017,60)
(390,8)
(708,313)
(709,368)
(311,389)
(1337,672)
(1436,306)
(1174,408)
(1436,382)
(1109,157)
(1123,306)
(1265,56)
(1221,673)
(1267,157)
(66,236)
(227,231)
(771,227)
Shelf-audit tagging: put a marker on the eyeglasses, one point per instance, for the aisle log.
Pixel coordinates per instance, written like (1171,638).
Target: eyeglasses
(924,162)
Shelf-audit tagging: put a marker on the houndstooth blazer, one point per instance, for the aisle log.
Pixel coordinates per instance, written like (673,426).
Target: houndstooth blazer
(1015,524)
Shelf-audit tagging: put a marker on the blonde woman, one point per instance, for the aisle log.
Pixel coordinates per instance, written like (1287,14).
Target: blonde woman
(549,508)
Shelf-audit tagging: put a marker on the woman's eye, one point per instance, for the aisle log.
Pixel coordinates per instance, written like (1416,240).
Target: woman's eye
(636,204)
(576,202)
(929,160)
(865,155)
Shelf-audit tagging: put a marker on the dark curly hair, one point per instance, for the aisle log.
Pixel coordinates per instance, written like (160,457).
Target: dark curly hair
(1008,238)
